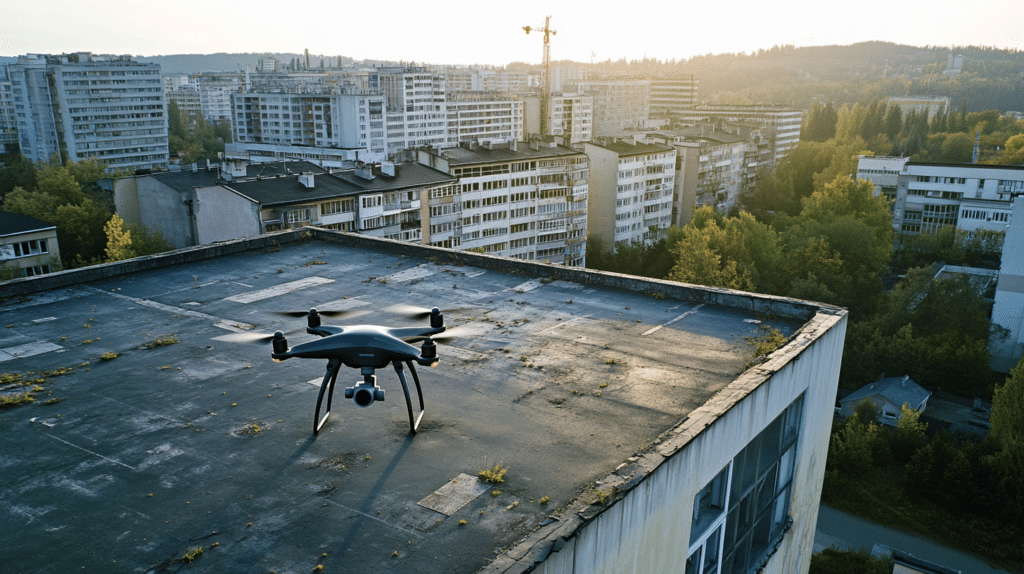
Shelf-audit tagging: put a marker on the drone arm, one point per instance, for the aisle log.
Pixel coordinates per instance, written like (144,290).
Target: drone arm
(415,332)
(325,330)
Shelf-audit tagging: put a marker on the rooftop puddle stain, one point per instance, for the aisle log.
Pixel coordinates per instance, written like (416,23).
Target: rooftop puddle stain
(455,494)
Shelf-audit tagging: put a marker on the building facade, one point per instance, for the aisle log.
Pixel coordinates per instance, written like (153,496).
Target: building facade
(619,106)
(670,96)
(84,106)
(28,246)
(970,197)
(521,200)
(631,188)
(780,125)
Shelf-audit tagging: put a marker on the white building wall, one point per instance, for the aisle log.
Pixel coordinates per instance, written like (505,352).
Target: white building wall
(1008,309)
(649,529)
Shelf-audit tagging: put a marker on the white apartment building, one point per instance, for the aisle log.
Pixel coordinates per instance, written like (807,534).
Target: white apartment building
(8,121)
(672,95)
(483,116)
(619,106)
(570,116)
(780,125)
(631,189)
(933,105)
(883,171)
(716,163)
(215,91)
(521,200)
(382,112)
(967,196)
(81,106)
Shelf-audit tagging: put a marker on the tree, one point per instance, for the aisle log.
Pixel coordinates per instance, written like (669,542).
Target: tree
(1008,426)
(834,561)
(909,435)
(119,240)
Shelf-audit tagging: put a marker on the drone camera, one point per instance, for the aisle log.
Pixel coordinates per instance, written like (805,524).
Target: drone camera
(280,343)
(366,393)
(436,318)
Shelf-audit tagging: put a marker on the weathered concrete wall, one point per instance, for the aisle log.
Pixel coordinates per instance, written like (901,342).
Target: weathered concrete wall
(222,215)
(648,529)
(163,208)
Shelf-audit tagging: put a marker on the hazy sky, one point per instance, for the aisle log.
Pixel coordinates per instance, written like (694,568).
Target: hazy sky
(490,32)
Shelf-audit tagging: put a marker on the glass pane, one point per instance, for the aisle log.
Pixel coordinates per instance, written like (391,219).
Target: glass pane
(762,531)
(771,439)
(780,511)
(766,490)
(786,468)
(693,562)
(793,420)
(711,551)
(708,505)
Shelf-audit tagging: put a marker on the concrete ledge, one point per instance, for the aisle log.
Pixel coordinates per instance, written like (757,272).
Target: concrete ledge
(766,304)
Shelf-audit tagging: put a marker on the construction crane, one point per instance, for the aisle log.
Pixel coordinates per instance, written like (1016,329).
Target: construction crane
(546,79)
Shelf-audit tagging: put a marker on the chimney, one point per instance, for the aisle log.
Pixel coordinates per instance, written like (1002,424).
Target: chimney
(387,168)
(306,179)
(195,167)
(365,172)
(512,145)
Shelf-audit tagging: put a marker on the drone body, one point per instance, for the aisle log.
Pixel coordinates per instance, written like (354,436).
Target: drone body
(367,348)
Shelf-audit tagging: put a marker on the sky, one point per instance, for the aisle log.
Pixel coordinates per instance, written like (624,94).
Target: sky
(454,32)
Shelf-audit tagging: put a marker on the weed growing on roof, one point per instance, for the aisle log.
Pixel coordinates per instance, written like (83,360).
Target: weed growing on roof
(768,341)
(109,356)
(11,401)
(161,341)
(192,554)
(494,475)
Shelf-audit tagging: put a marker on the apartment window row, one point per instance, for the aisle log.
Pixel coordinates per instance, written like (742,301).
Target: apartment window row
(33,247)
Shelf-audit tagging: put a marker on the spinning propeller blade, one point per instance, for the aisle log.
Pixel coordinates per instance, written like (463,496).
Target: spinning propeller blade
(414,312)
(250,337)
(324,313)
(449,334)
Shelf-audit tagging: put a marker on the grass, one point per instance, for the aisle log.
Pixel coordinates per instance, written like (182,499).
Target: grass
(494,475)
(161,341)
(192,554)
(109,356)
(764,344)
(11,401)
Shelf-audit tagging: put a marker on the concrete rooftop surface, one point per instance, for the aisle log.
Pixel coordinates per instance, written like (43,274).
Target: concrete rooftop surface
(207,443)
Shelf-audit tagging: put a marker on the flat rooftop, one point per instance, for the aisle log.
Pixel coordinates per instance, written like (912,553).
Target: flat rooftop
(207,443)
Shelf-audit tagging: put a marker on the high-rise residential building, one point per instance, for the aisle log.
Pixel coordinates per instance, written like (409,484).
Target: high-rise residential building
(382,111)
(631,185)
(716,163)
(215,91)
(619,106)
(672,95)
(8,122)
(883,172)
(82,106)
(570,116)
(781,125)
(521,200)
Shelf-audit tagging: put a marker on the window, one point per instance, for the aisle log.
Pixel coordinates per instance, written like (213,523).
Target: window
(34,247)
(740,514)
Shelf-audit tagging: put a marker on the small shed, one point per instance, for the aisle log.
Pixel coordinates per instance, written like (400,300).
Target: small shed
(889,394)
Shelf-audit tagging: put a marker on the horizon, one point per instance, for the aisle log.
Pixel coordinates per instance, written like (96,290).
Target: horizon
(458,34)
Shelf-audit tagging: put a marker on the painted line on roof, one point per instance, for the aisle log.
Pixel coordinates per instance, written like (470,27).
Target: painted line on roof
(28,350)
(281,289)
(418,272)
(172,309)
(669,322)
(563,323)
(89,451)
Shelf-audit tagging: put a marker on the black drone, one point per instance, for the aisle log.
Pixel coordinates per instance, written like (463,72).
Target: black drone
(363,347)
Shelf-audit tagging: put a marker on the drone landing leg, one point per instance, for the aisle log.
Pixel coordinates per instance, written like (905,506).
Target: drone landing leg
(329,378)
(414,421)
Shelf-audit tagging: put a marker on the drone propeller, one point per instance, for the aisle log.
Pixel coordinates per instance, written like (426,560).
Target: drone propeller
(414,312)
(450,334)
(250,337)
(328,313)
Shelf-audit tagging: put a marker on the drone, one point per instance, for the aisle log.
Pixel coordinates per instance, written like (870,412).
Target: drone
(363,347)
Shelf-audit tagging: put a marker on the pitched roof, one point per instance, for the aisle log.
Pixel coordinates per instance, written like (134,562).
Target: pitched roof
(896,390)
(16,224)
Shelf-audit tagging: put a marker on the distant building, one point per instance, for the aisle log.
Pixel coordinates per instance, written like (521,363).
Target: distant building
(932,105)
(82,106)
(781,125)
(521,200)
(570,116)
(970,197)
(620,106)
(672,95)
(631,185)
(28,246)
(882,171)
(717,161)
(889,395)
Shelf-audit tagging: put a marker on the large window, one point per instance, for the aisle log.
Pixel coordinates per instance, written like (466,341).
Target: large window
(740,515)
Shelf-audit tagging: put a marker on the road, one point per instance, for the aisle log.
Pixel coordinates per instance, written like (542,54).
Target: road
(849,532)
